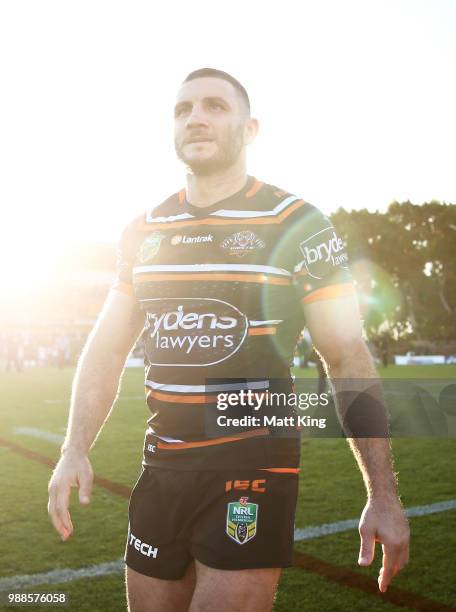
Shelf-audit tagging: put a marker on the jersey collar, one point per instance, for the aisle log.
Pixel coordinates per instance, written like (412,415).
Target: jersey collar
(237,200)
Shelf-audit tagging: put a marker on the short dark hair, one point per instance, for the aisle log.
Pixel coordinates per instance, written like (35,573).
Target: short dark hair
(220,74)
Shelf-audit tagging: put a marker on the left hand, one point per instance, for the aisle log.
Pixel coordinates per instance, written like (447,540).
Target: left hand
(383,520)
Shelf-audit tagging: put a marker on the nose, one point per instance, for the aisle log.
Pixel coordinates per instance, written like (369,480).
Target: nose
(196,117)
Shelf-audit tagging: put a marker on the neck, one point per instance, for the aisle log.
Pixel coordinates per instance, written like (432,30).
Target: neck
(204,191)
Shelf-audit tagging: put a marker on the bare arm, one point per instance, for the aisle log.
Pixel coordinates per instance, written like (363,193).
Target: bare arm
(94,391)
(335,327)
(99,370)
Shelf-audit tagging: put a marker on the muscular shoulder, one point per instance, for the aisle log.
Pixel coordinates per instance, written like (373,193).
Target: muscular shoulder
(291,210)
(169,207)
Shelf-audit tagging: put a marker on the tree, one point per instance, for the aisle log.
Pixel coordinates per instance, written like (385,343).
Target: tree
(403,261)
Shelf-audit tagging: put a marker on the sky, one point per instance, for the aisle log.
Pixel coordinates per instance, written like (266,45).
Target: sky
(356,102)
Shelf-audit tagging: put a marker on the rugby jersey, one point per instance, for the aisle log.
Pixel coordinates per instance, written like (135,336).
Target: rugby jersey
(222,289)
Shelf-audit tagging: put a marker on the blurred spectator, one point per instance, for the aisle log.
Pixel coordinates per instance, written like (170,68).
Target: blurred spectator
(14,353)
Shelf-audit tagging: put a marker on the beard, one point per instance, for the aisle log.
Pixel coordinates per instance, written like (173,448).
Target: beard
(228,151)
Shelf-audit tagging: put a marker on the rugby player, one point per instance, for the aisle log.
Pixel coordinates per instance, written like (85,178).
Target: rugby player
(221,278)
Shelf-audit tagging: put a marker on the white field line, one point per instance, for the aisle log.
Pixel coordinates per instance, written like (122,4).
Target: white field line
(60,576)
(42,434)
(33,432)
(128,398)
(114,567)
(310,533)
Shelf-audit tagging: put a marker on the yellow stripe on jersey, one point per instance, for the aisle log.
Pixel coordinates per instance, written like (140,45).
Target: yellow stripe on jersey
(180,399)
(262,331)
(235,277)
(330,292)
(263,431)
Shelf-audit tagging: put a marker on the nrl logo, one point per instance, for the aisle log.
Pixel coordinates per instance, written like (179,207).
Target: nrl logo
(241,520)
(150,246)
(242,243)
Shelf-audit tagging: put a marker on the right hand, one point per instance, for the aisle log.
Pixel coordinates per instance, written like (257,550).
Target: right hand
(72,470)
(383,520)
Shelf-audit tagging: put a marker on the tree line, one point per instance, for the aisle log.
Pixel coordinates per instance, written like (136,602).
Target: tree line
(404,262)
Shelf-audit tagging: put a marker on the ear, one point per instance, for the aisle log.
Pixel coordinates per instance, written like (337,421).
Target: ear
(250,130)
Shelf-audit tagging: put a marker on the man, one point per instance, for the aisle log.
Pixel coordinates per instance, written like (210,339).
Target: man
(223,276)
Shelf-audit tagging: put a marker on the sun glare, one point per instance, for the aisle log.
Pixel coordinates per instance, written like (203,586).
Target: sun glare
(37,264)
(27,265)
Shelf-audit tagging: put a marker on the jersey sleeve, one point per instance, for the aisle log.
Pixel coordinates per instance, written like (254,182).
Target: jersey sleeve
(317,257)
(126,254)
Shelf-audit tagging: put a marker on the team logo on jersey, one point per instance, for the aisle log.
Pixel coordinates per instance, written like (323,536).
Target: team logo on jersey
(241,520)
(175,240)
(150,247)
(193,331)
(242,243)
(323,252)
(179,239)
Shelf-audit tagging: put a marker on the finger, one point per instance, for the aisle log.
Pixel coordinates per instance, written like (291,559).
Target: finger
(403,558)
(395,571)
(387,572)
(85,487)
(61,508)
(55,519)
(64,529)
(367,547)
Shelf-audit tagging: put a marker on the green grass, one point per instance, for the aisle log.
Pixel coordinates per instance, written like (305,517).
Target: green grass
(331,490)
(418,372)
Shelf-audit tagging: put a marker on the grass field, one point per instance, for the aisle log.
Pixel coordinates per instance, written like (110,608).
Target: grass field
(326,576)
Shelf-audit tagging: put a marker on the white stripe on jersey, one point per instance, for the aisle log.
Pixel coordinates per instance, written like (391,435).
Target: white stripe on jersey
(169,440)
(247,214)
(261,384)
(300,266)
(181,217)
(270,322)
(211,268)
(230,214)
(151,432)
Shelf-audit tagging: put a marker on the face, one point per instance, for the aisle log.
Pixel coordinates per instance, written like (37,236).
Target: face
(211,125)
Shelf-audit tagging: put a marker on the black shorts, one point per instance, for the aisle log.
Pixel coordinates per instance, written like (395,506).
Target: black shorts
(230,520)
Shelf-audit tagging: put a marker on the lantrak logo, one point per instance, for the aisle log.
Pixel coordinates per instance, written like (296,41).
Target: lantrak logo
(145,549)
(322,252)
(193,331)
(179,239)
